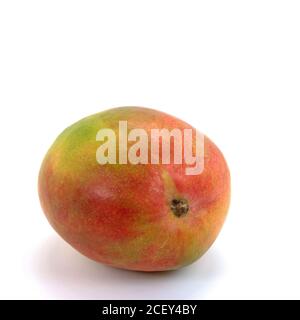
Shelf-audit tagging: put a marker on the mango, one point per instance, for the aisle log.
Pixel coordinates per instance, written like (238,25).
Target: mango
(140,216)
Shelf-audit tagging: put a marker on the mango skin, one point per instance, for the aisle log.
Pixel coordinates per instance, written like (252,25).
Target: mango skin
(120,215)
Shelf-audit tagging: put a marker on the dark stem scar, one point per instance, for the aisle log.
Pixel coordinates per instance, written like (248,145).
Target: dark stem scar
(179,207)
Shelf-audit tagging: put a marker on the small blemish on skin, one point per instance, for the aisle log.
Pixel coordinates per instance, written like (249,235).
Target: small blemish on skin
(179,207)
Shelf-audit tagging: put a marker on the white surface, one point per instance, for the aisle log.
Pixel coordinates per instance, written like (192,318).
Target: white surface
(230,68)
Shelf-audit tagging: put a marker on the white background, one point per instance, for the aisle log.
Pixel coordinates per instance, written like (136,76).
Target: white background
(230,68)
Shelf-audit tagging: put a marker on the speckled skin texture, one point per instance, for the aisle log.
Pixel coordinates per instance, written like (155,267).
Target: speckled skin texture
(120,215)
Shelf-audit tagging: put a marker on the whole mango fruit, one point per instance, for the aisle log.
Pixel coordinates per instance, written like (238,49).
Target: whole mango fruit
(141,214)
